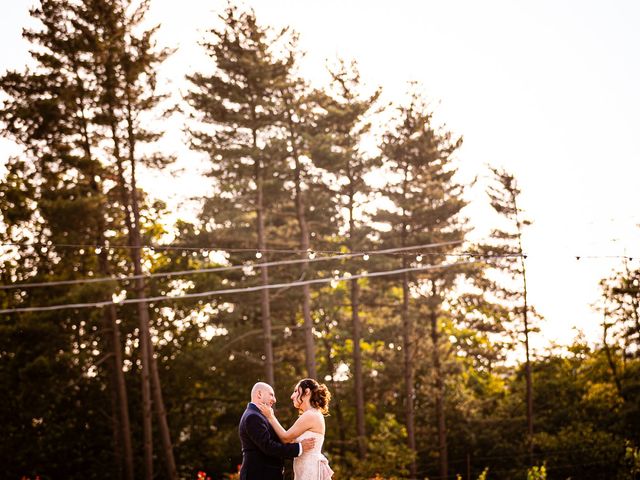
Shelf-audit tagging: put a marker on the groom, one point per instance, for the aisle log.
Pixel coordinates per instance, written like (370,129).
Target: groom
(263,453)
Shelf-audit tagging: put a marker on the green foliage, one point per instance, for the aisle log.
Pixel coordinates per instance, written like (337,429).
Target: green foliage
(484,474)
(621,310)
(537,473)
(632,459)
(387,455)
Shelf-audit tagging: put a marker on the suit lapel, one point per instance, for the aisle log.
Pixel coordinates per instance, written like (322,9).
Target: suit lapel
(253,407)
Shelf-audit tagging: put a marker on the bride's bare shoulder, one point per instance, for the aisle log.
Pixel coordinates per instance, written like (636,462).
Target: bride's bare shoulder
(312,413)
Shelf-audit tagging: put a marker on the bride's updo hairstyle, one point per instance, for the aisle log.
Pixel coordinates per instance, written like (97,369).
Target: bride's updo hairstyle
(320,396)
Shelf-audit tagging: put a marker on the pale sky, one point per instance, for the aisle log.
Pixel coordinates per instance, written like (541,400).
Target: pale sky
(547,89)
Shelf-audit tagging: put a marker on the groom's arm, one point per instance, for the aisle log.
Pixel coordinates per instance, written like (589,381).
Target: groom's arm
(258,431)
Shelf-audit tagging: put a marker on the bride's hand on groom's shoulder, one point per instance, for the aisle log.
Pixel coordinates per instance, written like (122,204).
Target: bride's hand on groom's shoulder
(266,410)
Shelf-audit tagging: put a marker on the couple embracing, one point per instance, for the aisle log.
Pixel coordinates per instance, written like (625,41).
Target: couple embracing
(266,443)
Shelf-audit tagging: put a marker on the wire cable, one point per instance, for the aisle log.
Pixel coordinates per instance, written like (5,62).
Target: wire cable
(152,247)
(223,269)
(232,290)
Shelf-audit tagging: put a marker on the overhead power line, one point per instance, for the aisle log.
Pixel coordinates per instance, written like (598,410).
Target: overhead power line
(233,290)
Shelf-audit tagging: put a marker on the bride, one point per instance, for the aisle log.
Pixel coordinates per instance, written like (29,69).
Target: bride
(312,401)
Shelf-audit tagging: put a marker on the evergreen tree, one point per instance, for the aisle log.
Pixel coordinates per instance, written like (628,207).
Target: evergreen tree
(426,209)
(621,295)
(621,327)
(88,53)
(48,112)
(300,107)
(506,243)
(128,94)
(237,107)
(339,152)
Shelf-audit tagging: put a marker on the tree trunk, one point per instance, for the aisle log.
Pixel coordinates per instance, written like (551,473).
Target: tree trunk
(525,315)
(357,335)
(310,353)
(150,369)
(145,357)
(161,413)
(264,271)
(122,426)
(528,374)
(118,382)
(408,335)
(147,432)
(439,388)
(529,386)
(143,312)
(126,200)
(116,428)
(407,347)
(143,339)
(357,368)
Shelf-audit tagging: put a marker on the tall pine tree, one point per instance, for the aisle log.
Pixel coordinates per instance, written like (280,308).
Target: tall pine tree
(239,115)
(426,209)
(95,82)
(50,111)
(506,245)
(339,152)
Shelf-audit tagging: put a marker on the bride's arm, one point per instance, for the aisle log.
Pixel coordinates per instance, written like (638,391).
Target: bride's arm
(301,425)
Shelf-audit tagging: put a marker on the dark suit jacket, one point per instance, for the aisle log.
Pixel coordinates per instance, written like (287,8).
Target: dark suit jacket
(263,453)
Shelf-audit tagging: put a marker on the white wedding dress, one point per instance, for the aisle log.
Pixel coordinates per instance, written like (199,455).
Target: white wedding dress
(312,465)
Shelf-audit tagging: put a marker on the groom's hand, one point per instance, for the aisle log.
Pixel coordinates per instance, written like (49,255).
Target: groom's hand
(308,444)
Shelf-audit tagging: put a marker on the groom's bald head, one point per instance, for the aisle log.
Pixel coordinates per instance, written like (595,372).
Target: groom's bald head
(262,393)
